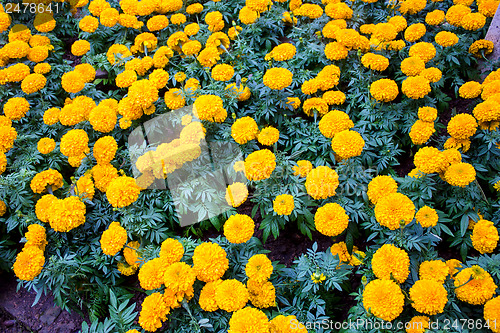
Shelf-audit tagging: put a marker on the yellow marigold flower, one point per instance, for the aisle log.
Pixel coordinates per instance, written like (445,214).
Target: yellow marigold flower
(473,21)
(340,250)
(260,164)
(385,32)
(426,51)
(416,87)
(288,324)
(80,47)
(46,145)
(87,71)
(460,174)
(113,239)
(294,102)
(36,236)
(3,164)
(389,262)
(231,295)
(455,143)
(277,78)
(5,21)
(375,62)
(262,295)
(338,11)
(484,236)
(427,217)
(436,270)
(428,296)
(33,83)
(259,268)
(236,194)
(109,17)
(122,191)
(311,11)
(488,7)
(126,269)
(487,111)
(154,311)
(192,29)
(462,126)
(103,174)
(331,219)
(171,250)
(125,78)
(453,264)
(414,32)
(334,122)
(72,82)
(29,263)
(88,24)
(16,49)
(435,17)
(74,143)
(421,131)
(282,52)
(85,187)
(475,285)
(194,8)
(427,113)
(430,160)
(322,182)
(481,47)
(191,47)
(103,119)
(283,204)
(7,137)
(247,15)
(383,299)
(17,72)
(315,104)
(67,214)
(207,296)
(210,262)
(174,99)
(302,168)
(379,187)
(336,51)
(42,68)
(446,38)
(192,85)
(399,22)
(244,129)
(209,107)
(157,22)
(492,313)
(456,13)
(43,207)
(384,90)
(105,149)
(417,324)
(179,277)
(242,319)
(347,144)
(239,228)
(394,210)
(19,32)
(432,74)
(268,136)
(151,274)
(45,178)
(117,52)
(16,107)
(332,97)
(412,66)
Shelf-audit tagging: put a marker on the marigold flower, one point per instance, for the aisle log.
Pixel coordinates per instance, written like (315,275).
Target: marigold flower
(72,82)
(331,219)
(475,285)
(484,236)
(171,250)
(88,24)
(46,145)
(302,168)
(36,236)
(236,194)
(428,296)
(383,299)
(244,129)
(462,126)
(277,78)
(460,174)
(488,7)
(381,186)
(209,107)
(414,32)
(492,313)
(231,295)
(29,263)
(394,210)
(430,160)
(336,51)
(74,143)
(427,217)
(390,262)
(399,22)
(347,144)
(7,137)
(282,324)
(338,11)
(194,8)
(154,311)
(384,90)
(421,131)
(332,97)
(122,191)
(322,182)
(113,239)
(446,38)
(67,214)
(209,262)
(283,204)
(435,17)
(416,87)
(412,66)
(436,270)
(259,268)
(375,61)
(260,164)
(45,178)
(16,107)
(239,228)
(473,21)
(481,47)
(42,68)
(334,122)
(426,51)
(242,319)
